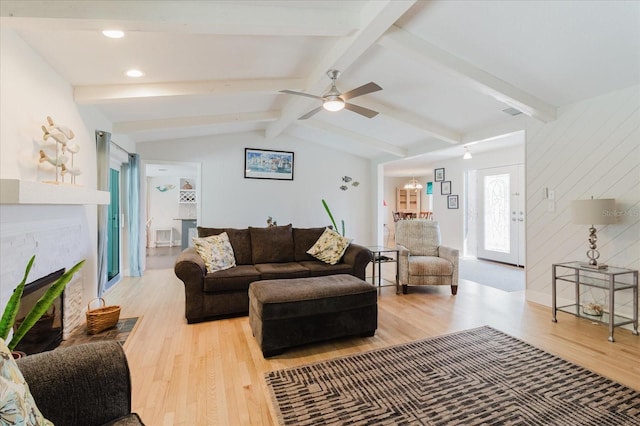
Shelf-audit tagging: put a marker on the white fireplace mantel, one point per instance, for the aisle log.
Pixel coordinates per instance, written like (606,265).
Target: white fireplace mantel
(15,191)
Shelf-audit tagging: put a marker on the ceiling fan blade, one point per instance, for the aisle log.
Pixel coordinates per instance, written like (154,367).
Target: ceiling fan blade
(369,113)
(292,92)
(310,113)
(362,90)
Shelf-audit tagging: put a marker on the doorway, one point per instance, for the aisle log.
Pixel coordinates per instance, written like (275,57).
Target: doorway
(172,194)
(501,214)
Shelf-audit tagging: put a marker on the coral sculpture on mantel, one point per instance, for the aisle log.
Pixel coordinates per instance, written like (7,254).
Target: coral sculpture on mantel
(55,147)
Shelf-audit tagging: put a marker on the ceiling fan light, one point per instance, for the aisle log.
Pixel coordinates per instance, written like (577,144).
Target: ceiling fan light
(333,103)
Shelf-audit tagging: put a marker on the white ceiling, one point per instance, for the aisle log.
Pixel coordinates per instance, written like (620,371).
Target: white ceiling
(447,68)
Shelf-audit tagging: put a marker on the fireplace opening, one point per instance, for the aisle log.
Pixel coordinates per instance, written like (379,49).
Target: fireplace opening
(46,334)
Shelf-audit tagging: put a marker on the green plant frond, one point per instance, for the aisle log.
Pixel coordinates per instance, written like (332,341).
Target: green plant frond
(343,227)
(43,304)
(11,310)
(326,207)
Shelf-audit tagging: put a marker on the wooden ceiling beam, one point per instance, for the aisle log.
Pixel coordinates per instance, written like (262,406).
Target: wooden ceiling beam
(377,17)
(119,92)
(427,125)
(190,17)
(196,121)
(420,50)
(356,138)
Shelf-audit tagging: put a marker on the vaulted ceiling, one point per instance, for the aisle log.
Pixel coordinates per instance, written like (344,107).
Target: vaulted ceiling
(448,69)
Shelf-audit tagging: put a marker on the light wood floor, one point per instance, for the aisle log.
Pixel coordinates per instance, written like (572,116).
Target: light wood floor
(212,373)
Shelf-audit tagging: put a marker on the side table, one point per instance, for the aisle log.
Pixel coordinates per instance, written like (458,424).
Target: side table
(382,254)
(612,279)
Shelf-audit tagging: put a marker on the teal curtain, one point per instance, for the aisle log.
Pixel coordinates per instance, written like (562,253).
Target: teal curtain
(132,176)
(103,143)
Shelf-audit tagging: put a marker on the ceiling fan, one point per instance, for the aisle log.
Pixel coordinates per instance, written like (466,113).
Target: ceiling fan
(333,100)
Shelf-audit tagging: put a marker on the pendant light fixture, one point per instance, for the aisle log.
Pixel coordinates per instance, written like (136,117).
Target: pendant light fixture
(413,184)
(467,154)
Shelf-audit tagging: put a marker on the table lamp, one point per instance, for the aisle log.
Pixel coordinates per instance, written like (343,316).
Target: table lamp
(593,212)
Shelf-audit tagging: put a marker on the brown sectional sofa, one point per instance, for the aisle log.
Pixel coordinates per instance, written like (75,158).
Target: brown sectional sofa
(278,252)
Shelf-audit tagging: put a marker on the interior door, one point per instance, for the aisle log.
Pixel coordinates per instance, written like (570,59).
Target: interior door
(113,232)
(501,214)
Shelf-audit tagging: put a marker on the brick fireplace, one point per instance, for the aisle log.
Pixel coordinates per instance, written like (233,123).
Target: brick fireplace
(59,236)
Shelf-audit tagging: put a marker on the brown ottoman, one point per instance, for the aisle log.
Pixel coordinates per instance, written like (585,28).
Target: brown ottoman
(291,312)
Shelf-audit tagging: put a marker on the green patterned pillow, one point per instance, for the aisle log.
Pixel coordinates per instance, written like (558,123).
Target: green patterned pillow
(330,247)
(17,406)
(216,251)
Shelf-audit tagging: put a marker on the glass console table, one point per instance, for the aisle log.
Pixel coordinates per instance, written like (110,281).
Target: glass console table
(611,279)
(382,255)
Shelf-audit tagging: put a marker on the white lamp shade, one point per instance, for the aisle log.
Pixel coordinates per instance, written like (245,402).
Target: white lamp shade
(594,211)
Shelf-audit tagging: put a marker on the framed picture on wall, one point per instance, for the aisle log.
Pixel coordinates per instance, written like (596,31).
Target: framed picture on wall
(452,202)
(268,164)
(445,188)
(439,175)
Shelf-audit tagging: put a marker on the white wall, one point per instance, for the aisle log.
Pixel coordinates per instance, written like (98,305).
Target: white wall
(592,149)
(230,200)
(163,206)
(30,90)
(452,220)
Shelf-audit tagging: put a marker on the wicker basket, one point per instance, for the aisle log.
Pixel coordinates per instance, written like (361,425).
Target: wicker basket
(101,318)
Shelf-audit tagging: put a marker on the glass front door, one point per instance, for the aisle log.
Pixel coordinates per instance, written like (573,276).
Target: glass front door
(501,214)
(113,232)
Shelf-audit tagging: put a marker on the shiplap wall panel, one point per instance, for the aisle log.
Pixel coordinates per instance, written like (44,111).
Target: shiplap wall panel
(592,149)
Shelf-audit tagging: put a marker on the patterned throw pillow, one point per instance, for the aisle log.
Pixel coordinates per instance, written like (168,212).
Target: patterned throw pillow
(216,251)
(330,247)
(17,406)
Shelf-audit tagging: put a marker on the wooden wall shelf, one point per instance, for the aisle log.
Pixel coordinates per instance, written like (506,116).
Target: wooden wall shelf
(16,191)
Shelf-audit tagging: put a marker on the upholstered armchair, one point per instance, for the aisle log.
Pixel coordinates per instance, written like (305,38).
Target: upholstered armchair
(422,260)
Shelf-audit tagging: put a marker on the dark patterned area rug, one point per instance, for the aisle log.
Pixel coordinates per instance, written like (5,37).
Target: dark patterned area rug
(120,332)
(475,377)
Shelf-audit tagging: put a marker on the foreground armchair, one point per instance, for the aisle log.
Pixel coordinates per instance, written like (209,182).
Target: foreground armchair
(86,385)
(422,260)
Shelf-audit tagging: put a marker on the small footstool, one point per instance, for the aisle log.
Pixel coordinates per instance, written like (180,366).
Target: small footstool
(290,312)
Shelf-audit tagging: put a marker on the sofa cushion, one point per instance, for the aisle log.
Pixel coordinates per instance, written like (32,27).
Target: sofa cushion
(272,271)
(420,237)
(16,401)
(330,247)
(320,269)
(240,240)
(303,240)
(272,245)
(233,279)
(131,420)
(216,251)
(429,265)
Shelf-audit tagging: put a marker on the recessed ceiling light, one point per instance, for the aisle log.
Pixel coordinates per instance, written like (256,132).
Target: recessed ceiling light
(135,73)
(113,33)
